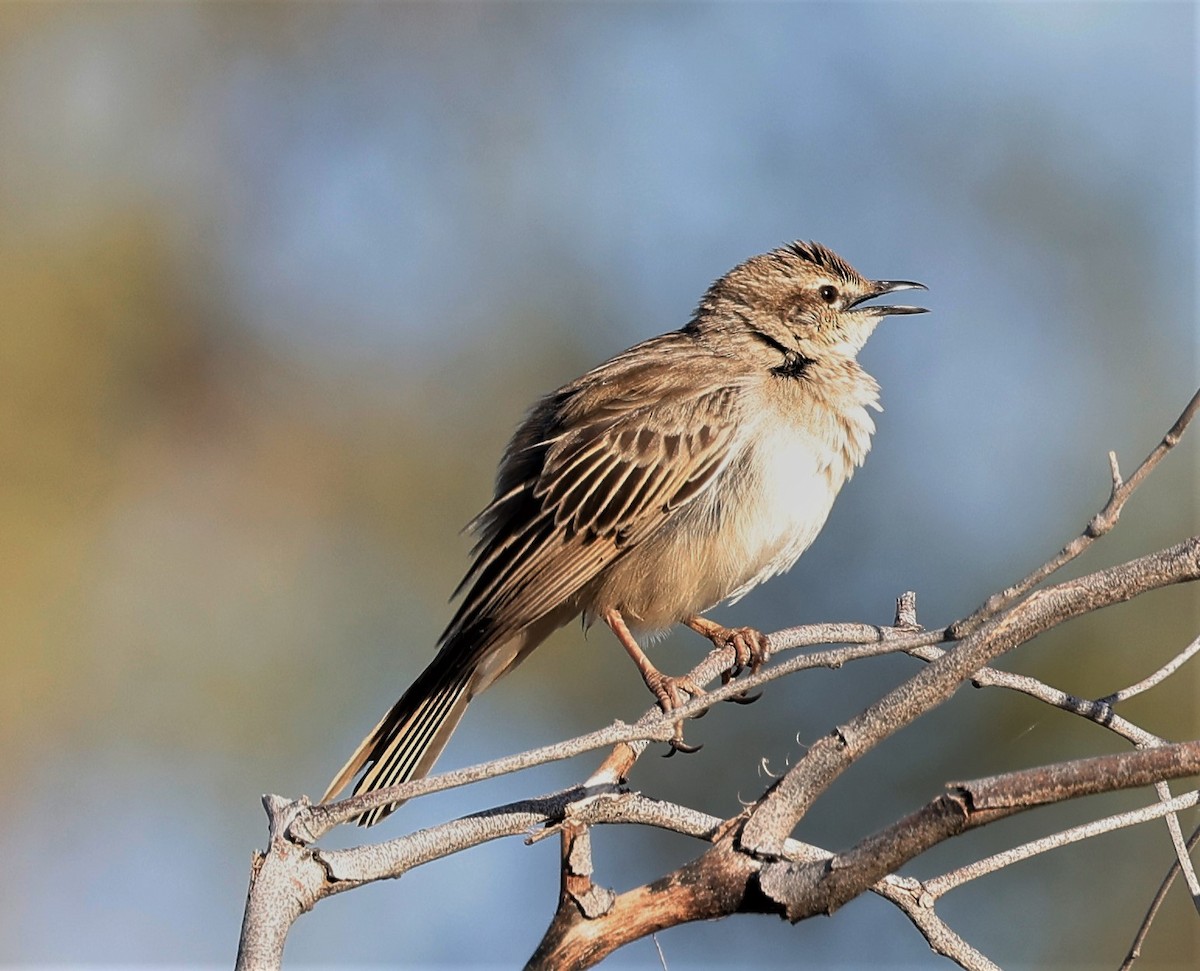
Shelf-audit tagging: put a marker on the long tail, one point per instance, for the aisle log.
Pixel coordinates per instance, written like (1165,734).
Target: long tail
(410,737)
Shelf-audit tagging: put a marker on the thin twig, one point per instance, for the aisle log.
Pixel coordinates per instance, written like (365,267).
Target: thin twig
(785,804)
(1158,676)
(1182,857)
(938,886)
(1100,524)
(909,896)
(1135,949)
(862,640)
(1096,711)
(1101,713)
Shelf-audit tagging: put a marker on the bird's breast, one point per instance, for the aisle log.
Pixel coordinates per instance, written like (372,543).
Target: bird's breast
(781,498)
(793,453)
(754,522)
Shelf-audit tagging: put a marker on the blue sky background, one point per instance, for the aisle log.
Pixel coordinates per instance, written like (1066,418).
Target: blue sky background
(280,279)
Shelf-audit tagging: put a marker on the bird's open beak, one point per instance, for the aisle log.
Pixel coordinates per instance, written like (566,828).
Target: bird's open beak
(890,286)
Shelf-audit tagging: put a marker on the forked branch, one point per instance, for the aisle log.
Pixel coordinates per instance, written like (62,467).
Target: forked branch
(751,865)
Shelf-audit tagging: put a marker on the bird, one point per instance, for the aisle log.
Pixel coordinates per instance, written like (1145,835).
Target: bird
(675,476)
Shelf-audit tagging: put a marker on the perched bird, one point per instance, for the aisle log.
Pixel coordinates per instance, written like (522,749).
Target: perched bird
(677,475)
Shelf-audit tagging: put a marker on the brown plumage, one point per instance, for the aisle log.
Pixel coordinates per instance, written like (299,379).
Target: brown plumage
(676,475)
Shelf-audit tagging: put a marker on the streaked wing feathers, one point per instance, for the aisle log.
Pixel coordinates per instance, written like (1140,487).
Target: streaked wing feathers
(608,477)
(583,481)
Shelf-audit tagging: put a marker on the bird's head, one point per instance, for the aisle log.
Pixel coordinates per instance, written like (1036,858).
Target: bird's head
(800,299)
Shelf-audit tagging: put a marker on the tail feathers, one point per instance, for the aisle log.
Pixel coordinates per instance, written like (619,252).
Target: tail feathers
(409,738)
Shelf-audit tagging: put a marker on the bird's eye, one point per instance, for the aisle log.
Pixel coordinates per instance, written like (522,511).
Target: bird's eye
(828,294)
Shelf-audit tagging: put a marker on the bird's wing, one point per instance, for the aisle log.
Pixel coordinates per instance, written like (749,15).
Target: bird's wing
(609,476)
(612,476)
(598,472)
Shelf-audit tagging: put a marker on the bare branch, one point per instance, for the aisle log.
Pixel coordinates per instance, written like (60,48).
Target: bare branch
(314,822)
(1102,713)
(1157,677)
(865,640)
(777,813)
(939,886)
(1135,949)
(1097,711)
(284,882)
(1100,524)
(910,897)
(812,888)
(752,865)
(334,871)
(725,880)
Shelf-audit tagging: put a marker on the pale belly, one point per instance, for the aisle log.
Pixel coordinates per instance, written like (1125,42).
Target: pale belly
(780,518)
(765,511)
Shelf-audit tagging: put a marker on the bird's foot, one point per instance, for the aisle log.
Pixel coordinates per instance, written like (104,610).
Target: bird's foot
(670,693)
(751,650)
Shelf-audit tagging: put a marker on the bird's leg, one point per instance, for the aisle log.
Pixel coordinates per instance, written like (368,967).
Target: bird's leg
(665,688)
(750,649)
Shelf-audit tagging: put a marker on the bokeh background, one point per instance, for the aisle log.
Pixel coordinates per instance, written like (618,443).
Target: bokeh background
(278,281)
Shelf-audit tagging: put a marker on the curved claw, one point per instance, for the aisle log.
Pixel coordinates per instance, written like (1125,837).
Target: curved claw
(679,745)
(669,691)
(745,699)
